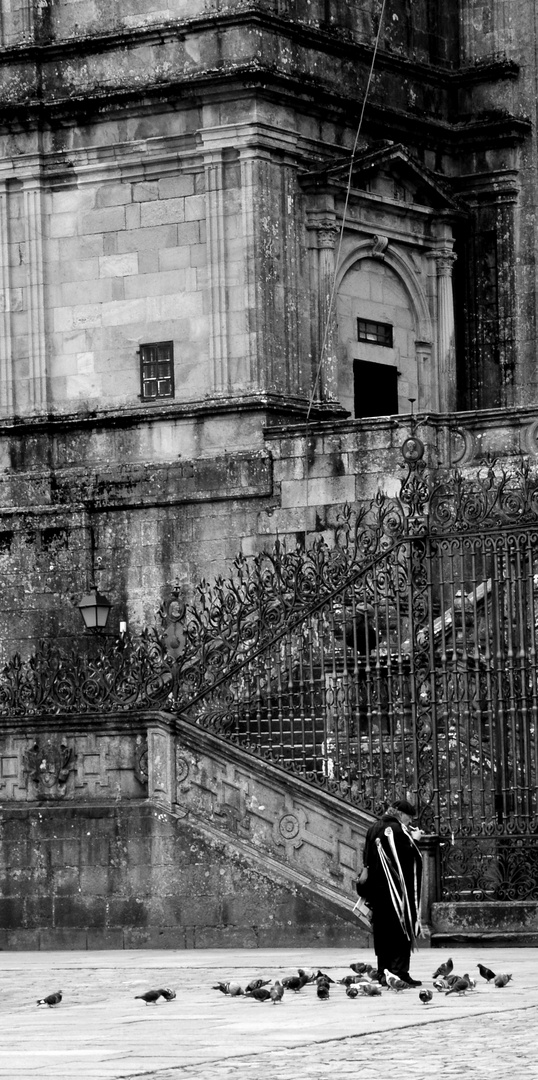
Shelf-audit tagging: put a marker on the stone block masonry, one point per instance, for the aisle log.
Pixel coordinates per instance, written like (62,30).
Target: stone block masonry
(85,865)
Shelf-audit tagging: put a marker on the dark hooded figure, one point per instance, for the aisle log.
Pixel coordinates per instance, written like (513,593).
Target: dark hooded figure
(359,632)
(391,883)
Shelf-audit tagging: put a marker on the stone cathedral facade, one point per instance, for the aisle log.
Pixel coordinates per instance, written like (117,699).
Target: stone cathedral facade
(237,251)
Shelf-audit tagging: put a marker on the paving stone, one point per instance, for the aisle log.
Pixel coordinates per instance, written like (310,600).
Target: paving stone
(102,1032)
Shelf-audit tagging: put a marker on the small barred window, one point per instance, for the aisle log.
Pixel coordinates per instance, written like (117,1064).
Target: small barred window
(157,370)
(375,333)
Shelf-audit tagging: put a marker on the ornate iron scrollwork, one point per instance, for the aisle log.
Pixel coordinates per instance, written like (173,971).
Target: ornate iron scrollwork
(398,659)
(501,868)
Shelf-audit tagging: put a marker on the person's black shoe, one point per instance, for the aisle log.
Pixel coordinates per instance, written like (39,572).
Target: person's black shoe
(410,982)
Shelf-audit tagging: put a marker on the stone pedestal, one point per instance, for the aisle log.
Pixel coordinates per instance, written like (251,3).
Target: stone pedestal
(431,883)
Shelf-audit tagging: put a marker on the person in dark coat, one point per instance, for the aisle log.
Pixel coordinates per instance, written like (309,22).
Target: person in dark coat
(360,632)
(391,883)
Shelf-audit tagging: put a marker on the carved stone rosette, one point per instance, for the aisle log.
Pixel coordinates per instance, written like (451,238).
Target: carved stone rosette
(288,829)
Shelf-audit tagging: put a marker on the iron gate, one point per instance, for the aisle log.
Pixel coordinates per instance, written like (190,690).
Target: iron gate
(403,663)
(397,660)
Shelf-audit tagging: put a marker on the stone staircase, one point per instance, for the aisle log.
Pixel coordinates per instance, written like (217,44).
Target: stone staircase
(143,830)
(289,831)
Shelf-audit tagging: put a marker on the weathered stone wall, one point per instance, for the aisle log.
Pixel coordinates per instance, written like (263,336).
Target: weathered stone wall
(121,833)
(132,876)
(165,185)
(155,523)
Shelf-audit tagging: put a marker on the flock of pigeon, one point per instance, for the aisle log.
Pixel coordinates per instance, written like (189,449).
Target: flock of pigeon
(364,982)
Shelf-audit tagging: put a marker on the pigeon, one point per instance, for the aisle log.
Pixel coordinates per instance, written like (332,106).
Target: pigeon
(371,989)
(167,994)
(322,975)
(151,997)
(261,994)
(441,984)
(276,992)
(51,999)
(308,975)
(451,979)
(352,991)
(232,989)
(460,986)
(295,982)
(323,990)
(359,968)
(425,996)
(443,970)
(394,983)
(486,972)
(502,979)
(255,984)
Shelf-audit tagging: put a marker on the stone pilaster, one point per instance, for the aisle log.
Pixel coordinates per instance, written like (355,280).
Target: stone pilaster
(425,382)
(248,187)
(6,341)
(216,266)
(161,765)
(33,222)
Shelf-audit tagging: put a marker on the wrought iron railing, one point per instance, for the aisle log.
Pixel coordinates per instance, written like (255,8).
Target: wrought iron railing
(398,659)
(329,697)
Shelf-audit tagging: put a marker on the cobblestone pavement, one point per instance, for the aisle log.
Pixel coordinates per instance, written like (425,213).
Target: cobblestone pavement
(101,1032)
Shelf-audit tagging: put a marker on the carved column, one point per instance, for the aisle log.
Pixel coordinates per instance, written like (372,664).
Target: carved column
(33,223)
(328,329)
(6,341)
(446,348)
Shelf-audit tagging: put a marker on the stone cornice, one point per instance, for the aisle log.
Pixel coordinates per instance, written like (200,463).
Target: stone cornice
(487,419)
(135,416)
(326,37)
(41,83)
(502,129)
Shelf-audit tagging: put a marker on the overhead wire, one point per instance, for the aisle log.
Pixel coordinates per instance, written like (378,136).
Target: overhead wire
(332,295)
(345,210)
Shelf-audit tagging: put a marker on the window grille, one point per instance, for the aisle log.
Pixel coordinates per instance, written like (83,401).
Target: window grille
(375,333)
(157,370)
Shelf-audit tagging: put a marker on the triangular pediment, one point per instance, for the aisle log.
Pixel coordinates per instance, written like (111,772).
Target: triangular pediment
(388,170)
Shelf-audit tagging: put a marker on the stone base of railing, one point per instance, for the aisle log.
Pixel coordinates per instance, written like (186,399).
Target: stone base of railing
(495,922)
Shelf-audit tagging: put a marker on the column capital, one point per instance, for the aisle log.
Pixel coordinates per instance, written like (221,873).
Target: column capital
(445,259)
(327,232)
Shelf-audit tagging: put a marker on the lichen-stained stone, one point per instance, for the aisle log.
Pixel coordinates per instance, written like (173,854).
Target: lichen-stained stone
(179,173)
(233,854)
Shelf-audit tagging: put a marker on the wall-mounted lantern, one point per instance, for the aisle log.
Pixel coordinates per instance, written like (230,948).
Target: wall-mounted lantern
(95,610)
